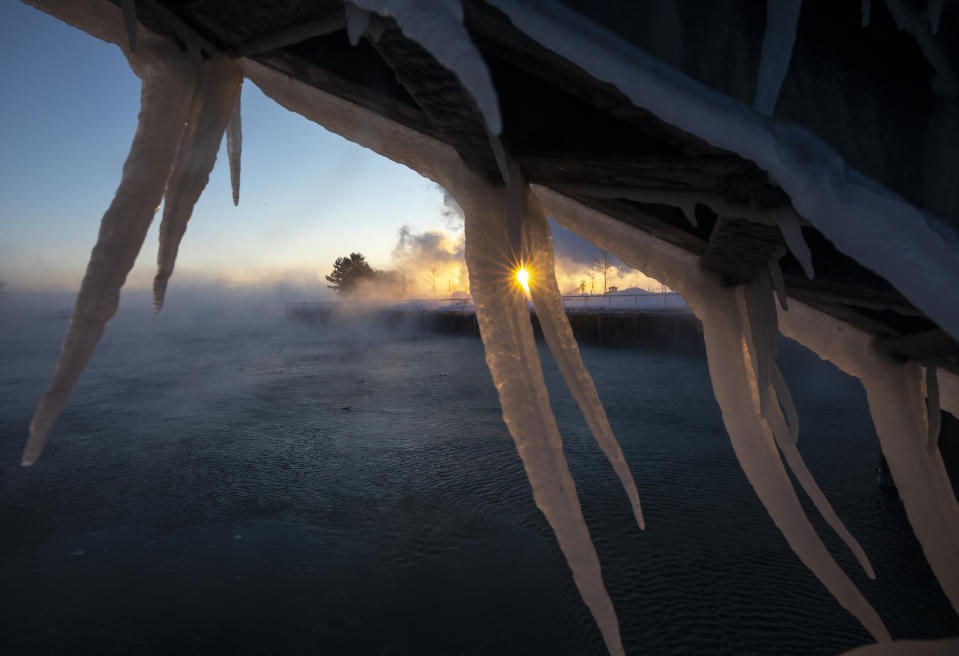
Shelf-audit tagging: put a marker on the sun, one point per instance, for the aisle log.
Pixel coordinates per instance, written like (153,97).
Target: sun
(522,277)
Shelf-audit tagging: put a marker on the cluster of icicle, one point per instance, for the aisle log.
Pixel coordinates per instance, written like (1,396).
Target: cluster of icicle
(187,103)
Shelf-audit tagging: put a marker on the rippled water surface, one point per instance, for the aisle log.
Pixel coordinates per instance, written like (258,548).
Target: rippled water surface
(290,489)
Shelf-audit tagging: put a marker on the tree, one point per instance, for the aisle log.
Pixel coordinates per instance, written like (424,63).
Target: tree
(582,286)
(350,271)
(602,265)
(431,278)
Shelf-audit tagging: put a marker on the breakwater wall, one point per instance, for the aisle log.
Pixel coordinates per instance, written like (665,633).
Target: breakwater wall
(675,330)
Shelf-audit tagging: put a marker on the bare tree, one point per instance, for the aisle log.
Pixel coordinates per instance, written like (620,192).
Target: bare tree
(592,284)
(602,265)
(582,286)
(431,278)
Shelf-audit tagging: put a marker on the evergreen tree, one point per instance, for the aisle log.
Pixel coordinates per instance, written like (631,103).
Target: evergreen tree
(349,271)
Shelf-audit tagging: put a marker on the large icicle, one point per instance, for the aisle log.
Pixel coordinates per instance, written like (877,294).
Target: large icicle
(438,27)
(559,337)
(894,392)
(168,84)
(782,21)
(762,336)
(234,144)
(734,383)
(736,391)
(785,440)
(212,108)
(513,361)
(500,309)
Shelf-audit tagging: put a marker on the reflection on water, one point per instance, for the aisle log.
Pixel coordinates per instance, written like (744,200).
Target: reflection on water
(208,491)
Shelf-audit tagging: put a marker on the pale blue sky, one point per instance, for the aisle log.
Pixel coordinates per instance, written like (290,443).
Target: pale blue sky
(68,113)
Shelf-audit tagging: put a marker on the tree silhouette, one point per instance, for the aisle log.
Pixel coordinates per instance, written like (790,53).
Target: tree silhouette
(602,265)
(582,286)
(350,271)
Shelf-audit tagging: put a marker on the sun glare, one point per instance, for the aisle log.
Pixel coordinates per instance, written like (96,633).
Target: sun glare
(522,277)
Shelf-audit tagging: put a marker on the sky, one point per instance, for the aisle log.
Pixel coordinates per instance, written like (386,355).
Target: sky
(307,196)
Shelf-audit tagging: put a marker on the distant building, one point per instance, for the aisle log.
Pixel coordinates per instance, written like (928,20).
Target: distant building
(612,289)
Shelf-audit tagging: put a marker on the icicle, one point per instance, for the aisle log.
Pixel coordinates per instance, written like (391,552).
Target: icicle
(212,108)
(559,337)
(935,14)
(733,379)
(513,361)
(130,18)
(788,222)
(933,412)
(762,335)
(866,12)
(734,385)
(785,437)
(234,145)
(357,20)
(782,21)
(164,102)
(776,277)
(438,27)
(941,647)
(893,390)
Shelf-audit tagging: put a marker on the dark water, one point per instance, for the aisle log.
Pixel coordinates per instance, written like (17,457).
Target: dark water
(205,492)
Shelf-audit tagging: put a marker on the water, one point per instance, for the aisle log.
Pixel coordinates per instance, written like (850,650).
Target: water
(207,491)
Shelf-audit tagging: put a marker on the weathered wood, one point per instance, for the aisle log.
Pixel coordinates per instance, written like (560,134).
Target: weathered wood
(739,249)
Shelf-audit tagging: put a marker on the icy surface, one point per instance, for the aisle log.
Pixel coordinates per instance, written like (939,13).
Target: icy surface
(894,393)
(167,89)
(562,344)
(864,220)
(782,21)
(438,27)
(212,108)
(234,144)
(734,383)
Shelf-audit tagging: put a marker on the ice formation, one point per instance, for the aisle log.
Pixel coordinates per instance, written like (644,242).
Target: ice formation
(740,325)
(866,12)
(234,144)
(562,344)
(438,27)
(894,392)
(866,221)
(726,330)
(167,90)
(782,21)
(213,105)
